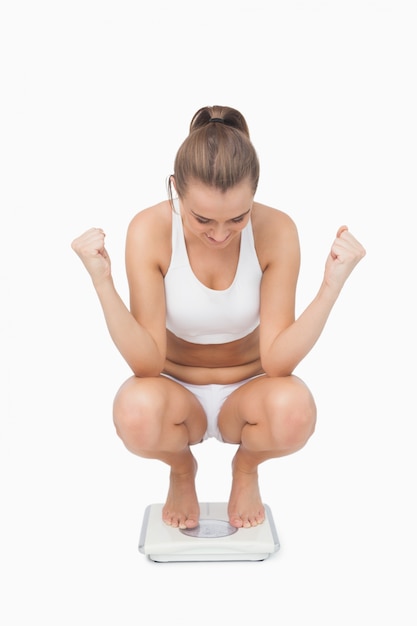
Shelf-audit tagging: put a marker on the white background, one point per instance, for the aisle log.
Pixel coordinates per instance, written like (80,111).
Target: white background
(95,100)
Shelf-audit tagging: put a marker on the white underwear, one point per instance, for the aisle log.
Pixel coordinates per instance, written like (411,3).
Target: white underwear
(211,398)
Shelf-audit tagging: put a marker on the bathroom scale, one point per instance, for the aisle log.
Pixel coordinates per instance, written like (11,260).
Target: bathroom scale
(214,539)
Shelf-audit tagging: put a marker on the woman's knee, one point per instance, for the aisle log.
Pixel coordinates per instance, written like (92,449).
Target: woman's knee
(137,408)
(292,415)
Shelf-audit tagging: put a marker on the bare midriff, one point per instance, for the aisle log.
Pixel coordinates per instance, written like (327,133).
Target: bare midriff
(204,364)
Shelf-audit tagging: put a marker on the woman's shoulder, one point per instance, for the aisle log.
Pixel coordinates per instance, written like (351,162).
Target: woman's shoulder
(153,218)
(269,221)
(275,233)
(149,233)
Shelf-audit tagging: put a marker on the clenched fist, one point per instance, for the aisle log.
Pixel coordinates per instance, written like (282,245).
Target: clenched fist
(345,254)
(90,248)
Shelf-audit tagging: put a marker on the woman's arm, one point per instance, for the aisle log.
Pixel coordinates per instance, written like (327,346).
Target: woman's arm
(284,340)
(142,347)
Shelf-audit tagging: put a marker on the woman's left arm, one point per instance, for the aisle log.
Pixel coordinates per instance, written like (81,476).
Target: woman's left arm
(284,340)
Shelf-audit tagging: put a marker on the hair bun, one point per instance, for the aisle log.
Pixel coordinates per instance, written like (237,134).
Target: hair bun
(221,114)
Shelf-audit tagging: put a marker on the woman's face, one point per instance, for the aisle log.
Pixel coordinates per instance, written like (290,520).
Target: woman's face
(214,216)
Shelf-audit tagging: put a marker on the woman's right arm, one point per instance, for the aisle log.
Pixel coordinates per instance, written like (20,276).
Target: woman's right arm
(142,346)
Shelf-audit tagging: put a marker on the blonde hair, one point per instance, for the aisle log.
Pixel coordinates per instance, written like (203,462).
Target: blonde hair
(217,152)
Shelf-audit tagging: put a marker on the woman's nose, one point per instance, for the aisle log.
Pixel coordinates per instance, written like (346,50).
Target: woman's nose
(220,233)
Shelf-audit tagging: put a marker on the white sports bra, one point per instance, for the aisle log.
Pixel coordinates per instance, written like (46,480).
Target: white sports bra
(198,314)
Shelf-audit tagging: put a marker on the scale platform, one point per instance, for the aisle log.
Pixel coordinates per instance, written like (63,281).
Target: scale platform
(213,540)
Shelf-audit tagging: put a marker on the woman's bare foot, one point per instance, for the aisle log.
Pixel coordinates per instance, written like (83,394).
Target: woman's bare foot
(182,509)
(245,504)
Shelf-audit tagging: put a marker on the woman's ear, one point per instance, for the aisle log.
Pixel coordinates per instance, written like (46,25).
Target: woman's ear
(172,182)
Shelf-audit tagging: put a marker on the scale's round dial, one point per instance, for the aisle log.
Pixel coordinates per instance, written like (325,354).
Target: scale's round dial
(210,529)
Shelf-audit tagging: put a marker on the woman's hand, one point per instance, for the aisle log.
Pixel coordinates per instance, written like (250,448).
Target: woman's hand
(345,254)
(90,248)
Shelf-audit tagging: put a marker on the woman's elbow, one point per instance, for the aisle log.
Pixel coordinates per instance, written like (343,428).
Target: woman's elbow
(145,369)
(274,369)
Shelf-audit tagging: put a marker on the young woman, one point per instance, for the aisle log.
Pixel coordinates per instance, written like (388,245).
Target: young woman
(211,335)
